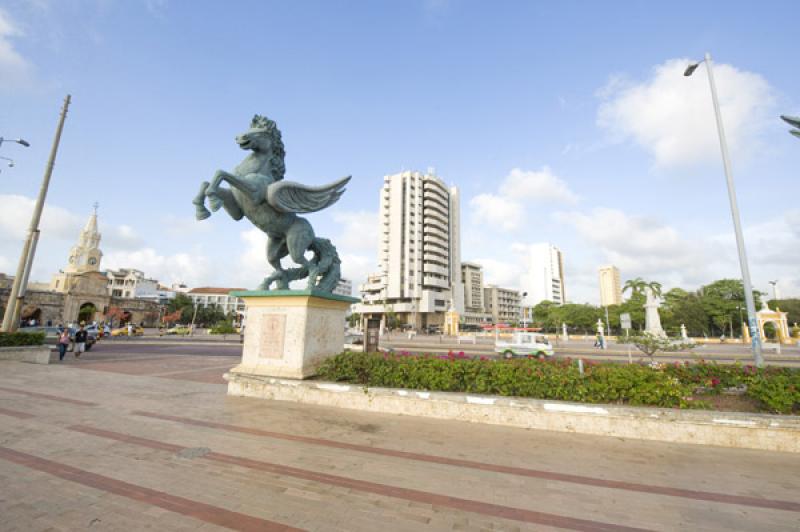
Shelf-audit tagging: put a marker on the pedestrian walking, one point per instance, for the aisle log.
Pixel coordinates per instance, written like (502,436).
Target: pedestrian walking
(598,341)
(80,341)
(63,342)
(130,330)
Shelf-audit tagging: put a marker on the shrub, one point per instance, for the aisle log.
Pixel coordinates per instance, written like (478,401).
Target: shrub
(776,389)
(223,327)
(650,344)
(17,339)
(779,393)
(558,379)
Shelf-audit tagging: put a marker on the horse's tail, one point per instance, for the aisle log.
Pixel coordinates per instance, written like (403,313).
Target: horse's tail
(328,264)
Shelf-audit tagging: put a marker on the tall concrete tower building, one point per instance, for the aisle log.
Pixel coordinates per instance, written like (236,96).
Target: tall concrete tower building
(544,276)
(610,287)
(419,251)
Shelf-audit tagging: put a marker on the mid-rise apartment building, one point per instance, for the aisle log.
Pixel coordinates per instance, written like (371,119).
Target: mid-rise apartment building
(209,295)
(418,252)
(129,282)
(502,304)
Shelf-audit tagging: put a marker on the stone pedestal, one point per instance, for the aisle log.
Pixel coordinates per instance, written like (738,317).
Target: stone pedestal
(288,333)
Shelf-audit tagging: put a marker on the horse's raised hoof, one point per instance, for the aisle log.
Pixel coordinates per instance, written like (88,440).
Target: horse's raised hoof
(202,213)
(214,203)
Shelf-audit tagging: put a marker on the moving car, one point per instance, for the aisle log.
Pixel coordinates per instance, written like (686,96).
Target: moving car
(123,331)
(525,344)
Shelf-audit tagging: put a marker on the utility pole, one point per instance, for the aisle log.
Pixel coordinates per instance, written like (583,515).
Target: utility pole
(17,296)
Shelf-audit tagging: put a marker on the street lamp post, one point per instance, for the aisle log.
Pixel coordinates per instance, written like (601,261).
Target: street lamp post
(18,141)
(737,226)
(15,298)
(774,289)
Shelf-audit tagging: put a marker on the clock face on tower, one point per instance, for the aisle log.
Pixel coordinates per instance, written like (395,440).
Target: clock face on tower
(72,259)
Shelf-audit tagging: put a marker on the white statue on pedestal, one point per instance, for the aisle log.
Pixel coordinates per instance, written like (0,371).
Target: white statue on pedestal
(652,321)
(684,335)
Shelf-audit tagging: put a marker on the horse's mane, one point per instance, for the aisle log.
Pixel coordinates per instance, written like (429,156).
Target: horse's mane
(278,151)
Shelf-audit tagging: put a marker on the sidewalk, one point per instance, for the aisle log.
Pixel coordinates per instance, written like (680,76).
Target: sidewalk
(153,442)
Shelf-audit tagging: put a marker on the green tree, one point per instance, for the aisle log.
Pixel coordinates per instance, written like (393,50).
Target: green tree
(790,306)
(682,307)
(208,315)
(546,316)
(581,317)
(723,302)
(179,302)
(354,319)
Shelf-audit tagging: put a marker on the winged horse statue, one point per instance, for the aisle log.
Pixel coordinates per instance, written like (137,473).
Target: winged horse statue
(259,193)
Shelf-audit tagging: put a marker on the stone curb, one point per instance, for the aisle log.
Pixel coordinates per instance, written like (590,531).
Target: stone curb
(35,354)
(702,427)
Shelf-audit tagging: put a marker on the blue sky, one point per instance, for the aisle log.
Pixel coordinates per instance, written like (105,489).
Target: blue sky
(567,122)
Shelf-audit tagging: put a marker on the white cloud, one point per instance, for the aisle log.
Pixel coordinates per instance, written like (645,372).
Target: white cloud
(253,265)
(501,272)
(643,246)
(16,70)
(506,207)
(15,217)
(359,231)
(192,269)
(496,210)
(122,237)
(671,116)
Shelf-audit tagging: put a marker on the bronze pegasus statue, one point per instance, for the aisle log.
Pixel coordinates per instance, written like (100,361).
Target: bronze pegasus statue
(259,193)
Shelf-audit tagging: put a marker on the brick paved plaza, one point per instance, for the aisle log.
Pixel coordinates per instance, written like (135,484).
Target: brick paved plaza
(125,439)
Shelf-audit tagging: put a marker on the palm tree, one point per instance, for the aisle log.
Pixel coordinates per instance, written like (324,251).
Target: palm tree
(636,286)
(639,286)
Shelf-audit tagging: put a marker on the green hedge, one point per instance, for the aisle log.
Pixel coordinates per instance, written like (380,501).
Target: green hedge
(17,339)
(777,389)
(223,327)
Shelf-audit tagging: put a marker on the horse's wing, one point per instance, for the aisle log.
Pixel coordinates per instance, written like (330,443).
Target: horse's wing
(288,196)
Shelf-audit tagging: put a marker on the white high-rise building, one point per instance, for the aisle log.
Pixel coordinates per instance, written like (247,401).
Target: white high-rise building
(419,252)
(474,303)
(610,288)
(544,276)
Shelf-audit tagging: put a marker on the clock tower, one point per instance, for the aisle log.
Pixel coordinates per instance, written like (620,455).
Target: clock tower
(85,256)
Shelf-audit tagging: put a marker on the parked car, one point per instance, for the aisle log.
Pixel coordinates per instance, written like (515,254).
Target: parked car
(123,331)
(524,344)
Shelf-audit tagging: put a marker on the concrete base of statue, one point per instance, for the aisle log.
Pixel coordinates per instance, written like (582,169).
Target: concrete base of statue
(288,333)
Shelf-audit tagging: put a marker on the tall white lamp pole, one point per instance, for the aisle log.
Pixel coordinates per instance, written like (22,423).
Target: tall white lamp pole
(15,298)
(737,225)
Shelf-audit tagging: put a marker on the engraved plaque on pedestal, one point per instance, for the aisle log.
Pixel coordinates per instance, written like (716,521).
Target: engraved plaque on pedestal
(273,328)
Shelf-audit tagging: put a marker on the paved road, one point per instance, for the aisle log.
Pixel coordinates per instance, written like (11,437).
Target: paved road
(109,348)
(122,440)
(724,353)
